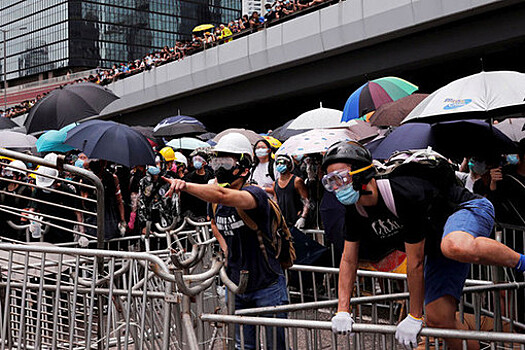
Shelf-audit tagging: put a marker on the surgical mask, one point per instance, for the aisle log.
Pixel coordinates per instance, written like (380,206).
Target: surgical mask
(513,159)
(479,167)
(298,157)
(261,152)
(281,168)
(153,170)
(197,164)
(268,10)
(347,195)
(79,163)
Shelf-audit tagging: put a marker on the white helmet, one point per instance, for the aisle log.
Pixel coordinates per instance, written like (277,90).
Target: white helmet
(17,166)
(235,143)
(43,181)
(51,157)
(181,158)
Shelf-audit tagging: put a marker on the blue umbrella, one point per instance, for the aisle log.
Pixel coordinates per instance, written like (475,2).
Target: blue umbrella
(112,142)
(452,139)
(178,125)
(53,140)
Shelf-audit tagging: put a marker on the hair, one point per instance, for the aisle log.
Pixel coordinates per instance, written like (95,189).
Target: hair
(255,158)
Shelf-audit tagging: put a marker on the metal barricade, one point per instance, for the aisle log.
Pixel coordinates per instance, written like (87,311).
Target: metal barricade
(81,213)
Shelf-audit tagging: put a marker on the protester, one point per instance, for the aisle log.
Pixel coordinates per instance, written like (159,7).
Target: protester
(291,193)
(263,173)
(266,281)
(193,206)
(454,223)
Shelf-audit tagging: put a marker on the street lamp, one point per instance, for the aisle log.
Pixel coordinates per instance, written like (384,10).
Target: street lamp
(4,32)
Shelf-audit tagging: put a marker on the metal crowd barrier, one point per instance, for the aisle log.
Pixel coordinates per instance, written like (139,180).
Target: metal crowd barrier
(70,201)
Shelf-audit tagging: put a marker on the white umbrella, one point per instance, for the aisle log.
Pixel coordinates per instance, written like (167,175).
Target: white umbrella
(514,128)
(318,118)
(314,141)
(17,141)
(479,96)
(187,143)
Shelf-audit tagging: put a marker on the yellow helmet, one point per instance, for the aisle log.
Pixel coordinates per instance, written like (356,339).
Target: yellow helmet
(168,154)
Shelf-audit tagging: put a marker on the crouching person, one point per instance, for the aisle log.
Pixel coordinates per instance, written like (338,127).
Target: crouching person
(266,281)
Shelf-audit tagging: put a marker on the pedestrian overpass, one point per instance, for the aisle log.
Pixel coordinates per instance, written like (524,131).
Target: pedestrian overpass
(339,45)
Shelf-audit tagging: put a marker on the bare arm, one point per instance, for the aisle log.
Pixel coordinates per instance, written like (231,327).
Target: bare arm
(214,194)
(415,276)
(347,275)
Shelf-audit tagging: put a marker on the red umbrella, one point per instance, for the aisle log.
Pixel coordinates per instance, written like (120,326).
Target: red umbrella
(392,113)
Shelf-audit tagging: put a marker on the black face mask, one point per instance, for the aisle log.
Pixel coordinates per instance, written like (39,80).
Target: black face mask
(226,177)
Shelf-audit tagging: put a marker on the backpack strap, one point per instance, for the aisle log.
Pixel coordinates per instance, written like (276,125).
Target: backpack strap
(383,185)
(385,190)
(253,226)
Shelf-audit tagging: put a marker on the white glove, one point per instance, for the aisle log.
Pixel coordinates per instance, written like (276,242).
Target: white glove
(407,331)
(35,228)
(342,323)
(300,223)
(122,227)
(83,241)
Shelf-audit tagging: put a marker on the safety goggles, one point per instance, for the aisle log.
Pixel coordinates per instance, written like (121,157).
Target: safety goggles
(340,178)
(227,163)
(282,162)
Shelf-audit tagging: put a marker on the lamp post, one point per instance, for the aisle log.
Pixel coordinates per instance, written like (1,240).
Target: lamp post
(4,33)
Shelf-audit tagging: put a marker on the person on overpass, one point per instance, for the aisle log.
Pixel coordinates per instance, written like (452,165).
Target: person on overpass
(453,222)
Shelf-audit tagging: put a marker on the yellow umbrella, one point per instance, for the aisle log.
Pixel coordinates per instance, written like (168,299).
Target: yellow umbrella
(202,27)
(273,141)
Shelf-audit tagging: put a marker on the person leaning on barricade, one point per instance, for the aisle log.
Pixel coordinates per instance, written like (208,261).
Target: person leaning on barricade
(453,223)
(266,281)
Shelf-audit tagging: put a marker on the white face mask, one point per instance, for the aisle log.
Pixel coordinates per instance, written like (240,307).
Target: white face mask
(261,152)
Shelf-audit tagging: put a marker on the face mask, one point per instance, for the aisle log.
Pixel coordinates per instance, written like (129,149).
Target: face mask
(281,168)
(261,152)
(479,168)
(268,10)
(197,164)
(79,163)
(512,159)
(347,195)
(299,157)
(226,177)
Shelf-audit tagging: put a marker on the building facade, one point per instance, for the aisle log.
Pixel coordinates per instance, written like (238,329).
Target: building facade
(250,6)
(46,35)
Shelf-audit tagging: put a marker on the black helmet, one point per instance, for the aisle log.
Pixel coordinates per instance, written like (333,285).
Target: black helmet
(356,155)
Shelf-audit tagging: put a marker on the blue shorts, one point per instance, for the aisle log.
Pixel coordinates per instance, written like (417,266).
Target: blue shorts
(444,276)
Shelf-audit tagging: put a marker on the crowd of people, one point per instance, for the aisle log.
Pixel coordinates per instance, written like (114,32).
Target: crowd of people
(221,34)
(364,213)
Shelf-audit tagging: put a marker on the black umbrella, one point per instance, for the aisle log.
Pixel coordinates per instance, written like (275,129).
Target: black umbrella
(67,105)
(177,126)
(282,133)
(6,123)
(111,141)
(147,131)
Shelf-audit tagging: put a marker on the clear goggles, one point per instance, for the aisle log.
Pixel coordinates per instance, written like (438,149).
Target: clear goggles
(340,178)
(227,163)
(198,159)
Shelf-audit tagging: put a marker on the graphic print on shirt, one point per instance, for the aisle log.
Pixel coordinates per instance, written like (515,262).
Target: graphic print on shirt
(386,228)
(226,224)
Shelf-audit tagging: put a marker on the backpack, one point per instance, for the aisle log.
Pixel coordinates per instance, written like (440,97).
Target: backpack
(281,238)
(425,164)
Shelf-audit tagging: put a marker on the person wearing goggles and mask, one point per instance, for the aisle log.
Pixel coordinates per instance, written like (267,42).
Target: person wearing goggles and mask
(266,282)
(291,193)
(454,224)
(193,206)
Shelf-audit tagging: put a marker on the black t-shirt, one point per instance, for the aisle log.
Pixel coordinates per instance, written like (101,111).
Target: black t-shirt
(192,204)
(244,252)
(422,211)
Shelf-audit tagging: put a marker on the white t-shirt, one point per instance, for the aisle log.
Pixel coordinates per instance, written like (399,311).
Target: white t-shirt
(467,180)
(261,175)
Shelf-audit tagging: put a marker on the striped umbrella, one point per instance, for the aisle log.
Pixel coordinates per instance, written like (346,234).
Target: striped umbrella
(375,93)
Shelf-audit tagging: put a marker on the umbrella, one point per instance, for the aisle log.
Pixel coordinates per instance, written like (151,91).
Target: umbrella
(203,27)
(319,118)
(53,140)
(178,125)
(282,133)
(187,143)
(362,131)
(314,141)
(111,141)
(147,131)
(479,96)
(6,123)
(67,105)
(16,141)
(273,141)
(206,136)
(514,128)
(374,94)
(392,113)
(452,139)
(251,135)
